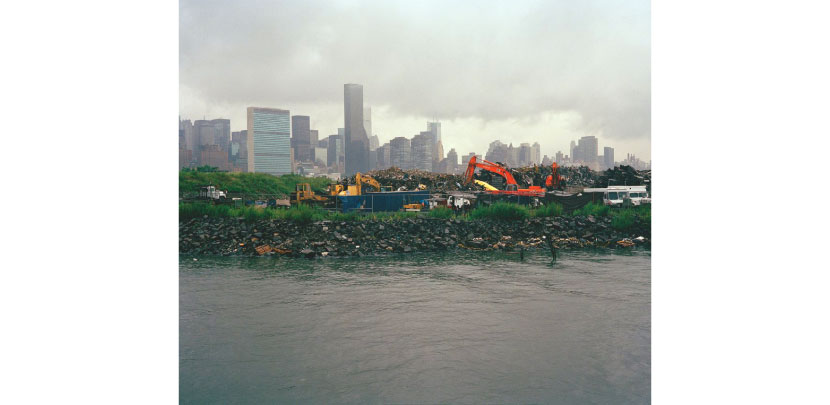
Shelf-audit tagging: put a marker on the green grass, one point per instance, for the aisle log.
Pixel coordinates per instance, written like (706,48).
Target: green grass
(623,219)
(550,210)
(441,213)
(597,210)
(626,218)
(500,211)
(248,183)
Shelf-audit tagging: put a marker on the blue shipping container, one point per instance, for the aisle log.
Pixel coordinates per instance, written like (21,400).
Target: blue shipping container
(379,202)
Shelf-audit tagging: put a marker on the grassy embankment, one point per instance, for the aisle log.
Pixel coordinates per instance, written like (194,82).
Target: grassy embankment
(248,183)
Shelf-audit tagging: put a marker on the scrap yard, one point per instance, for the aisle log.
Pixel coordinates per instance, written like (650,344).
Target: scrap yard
(489,207)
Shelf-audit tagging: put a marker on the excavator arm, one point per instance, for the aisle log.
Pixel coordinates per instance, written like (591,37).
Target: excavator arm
(360,180)
(490,167)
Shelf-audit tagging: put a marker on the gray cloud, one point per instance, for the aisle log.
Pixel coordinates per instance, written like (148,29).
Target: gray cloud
(453,60)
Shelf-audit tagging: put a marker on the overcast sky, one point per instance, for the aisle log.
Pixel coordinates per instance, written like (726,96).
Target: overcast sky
(534,71)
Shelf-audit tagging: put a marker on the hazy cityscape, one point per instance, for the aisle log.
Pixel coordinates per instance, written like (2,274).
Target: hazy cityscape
(282,143)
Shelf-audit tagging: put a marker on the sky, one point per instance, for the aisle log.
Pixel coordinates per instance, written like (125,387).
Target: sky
(519,71)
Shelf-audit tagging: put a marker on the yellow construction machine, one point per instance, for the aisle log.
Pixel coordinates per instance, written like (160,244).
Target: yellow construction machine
(357,188)
(304,194)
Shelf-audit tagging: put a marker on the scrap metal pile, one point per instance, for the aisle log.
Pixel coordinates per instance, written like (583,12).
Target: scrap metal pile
(580,176)
(411,179)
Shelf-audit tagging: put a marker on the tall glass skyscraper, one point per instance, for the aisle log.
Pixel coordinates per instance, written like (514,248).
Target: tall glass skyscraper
(357,141)
(269,140)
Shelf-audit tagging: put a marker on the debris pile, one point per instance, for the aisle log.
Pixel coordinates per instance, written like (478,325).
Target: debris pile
(411,179)
(624,175)
(234,236)
(575,176)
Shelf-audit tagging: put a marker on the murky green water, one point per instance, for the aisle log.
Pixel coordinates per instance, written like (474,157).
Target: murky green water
(471,328)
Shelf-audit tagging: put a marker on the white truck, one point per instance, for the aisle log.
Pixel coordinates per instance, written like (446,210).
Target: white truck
(211,193)
(617,196)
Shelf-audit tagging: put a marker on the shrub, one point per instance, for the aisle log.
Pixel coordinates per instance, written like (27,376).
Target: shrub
(500,211)
(304,214)
(597,210)
(441,213)
(623,219)
(550,210)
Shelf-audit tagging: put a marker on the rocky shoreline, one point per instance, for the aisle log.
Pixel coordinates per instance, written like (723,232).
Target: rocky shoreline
(235,237)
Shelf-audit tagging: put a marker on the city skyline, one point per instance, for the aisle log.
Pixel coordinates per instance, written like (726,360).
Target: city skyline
(579,86)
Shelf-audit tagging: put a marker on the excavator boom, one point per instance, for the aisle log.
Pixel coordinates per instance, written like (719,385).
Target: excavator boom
(512,186)
(490,167)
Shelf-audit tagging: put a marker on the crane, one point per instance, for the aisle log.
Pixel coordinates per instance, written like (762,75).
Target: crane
(512,186)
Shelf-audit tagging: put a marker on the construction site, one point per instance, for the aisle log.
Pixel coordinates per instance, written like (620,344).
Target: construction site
(483,183)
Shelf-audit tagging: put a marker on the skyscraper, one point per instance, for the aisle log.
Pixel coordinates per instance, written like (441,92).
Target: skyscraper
(589,148)
(535,154)
(335,153)
(357,141)
(452,161)
(269,141)
(399,153)
(422,151)
(301,137)
(608,154)
(437,146)
(367,124)
(383,156)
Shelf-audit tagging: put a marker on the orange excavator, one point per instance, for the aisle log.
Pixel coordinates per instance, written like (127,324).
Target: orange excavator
(555,181)
(512,187)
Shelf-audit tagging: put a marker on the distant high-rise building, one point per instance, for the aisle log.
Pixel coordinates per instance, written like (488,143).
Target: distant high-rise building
(321,155)
(525,154)
(215,156)
(239,150)
(573,151)
(357,141)
(186,127)
(210,132)
(314,137)
(421,154)
(269,141)
(452,161)
(546,161)
(589,149)
(535,153)
(367,124)
(560,158)
(335,153)
(434,128)
(383,156)
(608,155)
(301,137)
(374,142)
(399,152)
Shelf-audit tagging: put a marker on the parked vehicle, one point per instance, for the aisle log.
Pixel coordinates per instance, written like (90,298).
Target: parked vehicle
(210,192)
(638,195)
(620,196)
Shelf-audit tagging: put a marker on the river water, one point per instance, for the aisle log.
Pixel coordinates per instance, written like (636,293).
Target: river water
(450,328)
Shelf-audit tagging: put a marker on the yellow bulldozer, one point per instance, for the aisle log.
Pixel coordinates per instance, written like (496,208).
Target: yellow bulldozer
(304,194)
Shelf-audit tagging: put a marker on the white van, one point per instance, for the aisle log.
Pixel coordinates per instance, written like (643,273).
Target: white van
(615,195)
(638,195)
